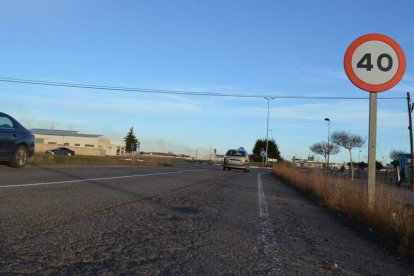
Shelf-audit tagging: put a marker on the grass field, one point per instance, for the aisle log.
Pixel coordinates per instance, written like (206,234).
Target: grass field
(46,159)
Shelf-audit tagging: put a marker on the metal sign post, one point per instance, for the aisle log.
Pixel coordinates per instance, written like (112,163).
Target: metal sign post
(372,142)
(263,154)
(410,128)
(374,63)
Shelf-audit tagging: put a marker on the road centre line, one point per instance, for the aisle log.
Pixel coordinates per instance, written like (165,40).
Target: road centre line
(97,179)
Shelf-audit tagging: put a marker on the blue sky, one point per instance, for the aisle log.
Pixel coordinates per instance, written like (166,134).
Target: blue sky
(279,48)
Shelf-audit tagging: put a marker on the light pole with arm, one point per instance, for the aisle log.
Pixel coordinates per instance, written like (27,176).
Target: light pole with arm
(267,126)
(328,146)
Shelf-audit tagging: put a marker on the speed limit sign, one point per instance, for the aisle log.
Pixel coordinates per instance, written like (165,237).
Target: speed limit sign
(374,62)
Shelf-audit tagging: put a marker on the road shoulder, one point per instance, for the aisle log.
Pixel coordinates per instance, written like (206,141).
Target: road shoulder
(310,239)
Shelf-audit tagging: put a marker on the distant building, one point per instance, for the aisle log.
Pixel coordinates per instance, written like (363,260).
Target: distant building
(82,144)
(311,163)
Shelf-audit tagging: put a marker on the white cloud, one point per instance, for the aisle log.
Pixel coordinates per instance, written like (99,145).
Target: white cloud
(112,104)
(348,112)
(318,75)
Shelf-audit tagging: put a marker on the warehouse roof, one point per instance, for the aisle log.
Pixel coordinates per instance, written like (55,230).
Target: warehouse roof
(58,132)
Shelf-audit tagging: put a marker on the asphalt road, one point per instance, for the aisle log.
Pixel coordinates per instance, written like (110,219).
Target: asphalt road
(193,219)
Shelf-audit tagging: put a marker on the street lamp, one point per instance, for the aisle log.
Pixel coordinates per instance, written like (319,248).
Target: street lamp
(267,127)
(328,147)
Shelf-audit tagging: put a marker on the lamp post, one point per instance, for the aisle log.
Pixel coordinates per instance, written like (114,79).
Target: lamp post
(328,146)
(267,126)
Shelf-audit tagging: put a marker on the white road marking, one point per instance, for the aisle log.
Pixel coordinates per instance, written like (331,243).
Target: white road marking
(266,235)
(263,210)
(95,179)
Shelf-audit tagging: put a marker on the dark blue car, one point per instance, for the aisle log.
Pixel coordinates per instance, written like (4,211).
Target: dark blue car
(61,150)
(16,142)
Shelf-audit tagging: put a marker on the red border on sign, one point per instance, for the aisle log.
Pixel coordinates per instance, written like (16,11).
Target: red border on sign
(374,87)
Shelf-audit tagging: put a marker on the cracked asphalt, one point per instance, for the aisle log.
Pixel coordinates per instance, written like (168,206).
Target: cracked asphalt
(188,220)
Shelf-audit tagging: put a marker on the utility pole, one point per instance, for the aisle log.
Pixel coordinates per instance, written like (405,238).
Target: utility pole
(328,146)
(267,127)
(410,128)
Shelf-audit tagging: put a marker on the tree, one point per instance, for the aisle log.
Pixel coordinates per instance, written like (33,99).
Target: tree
(131,141)
(395,157)
(348,141)
(322,149)
(395,154)
(379,166)
(272,151)
(362,165)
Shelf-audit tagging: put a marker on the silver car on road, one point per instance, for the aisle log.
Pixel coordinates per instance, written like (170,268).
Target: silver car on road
(236,159)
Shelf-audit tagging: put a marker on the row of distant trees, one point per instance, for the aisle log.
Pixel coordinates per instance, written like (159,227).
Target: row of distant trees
(349,141)
(339,139)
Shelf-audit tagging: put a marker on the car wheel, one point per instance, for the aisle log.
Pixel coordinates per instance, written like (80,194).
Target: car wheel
(246,170)
(229,168)
(224,168)
(19,157)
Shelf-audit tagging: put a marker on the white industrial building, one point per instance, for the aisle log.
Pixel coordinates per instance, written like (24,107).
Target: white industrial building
(82,144)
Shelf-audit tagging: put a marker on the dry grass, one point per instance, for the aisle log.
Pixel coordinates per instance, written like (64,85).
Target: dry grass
(392,218)
(46,159)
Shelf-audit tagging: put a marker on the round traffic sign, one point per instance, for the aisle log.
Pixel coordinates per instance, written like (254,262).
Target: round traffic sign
(263,154)
(374,62)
